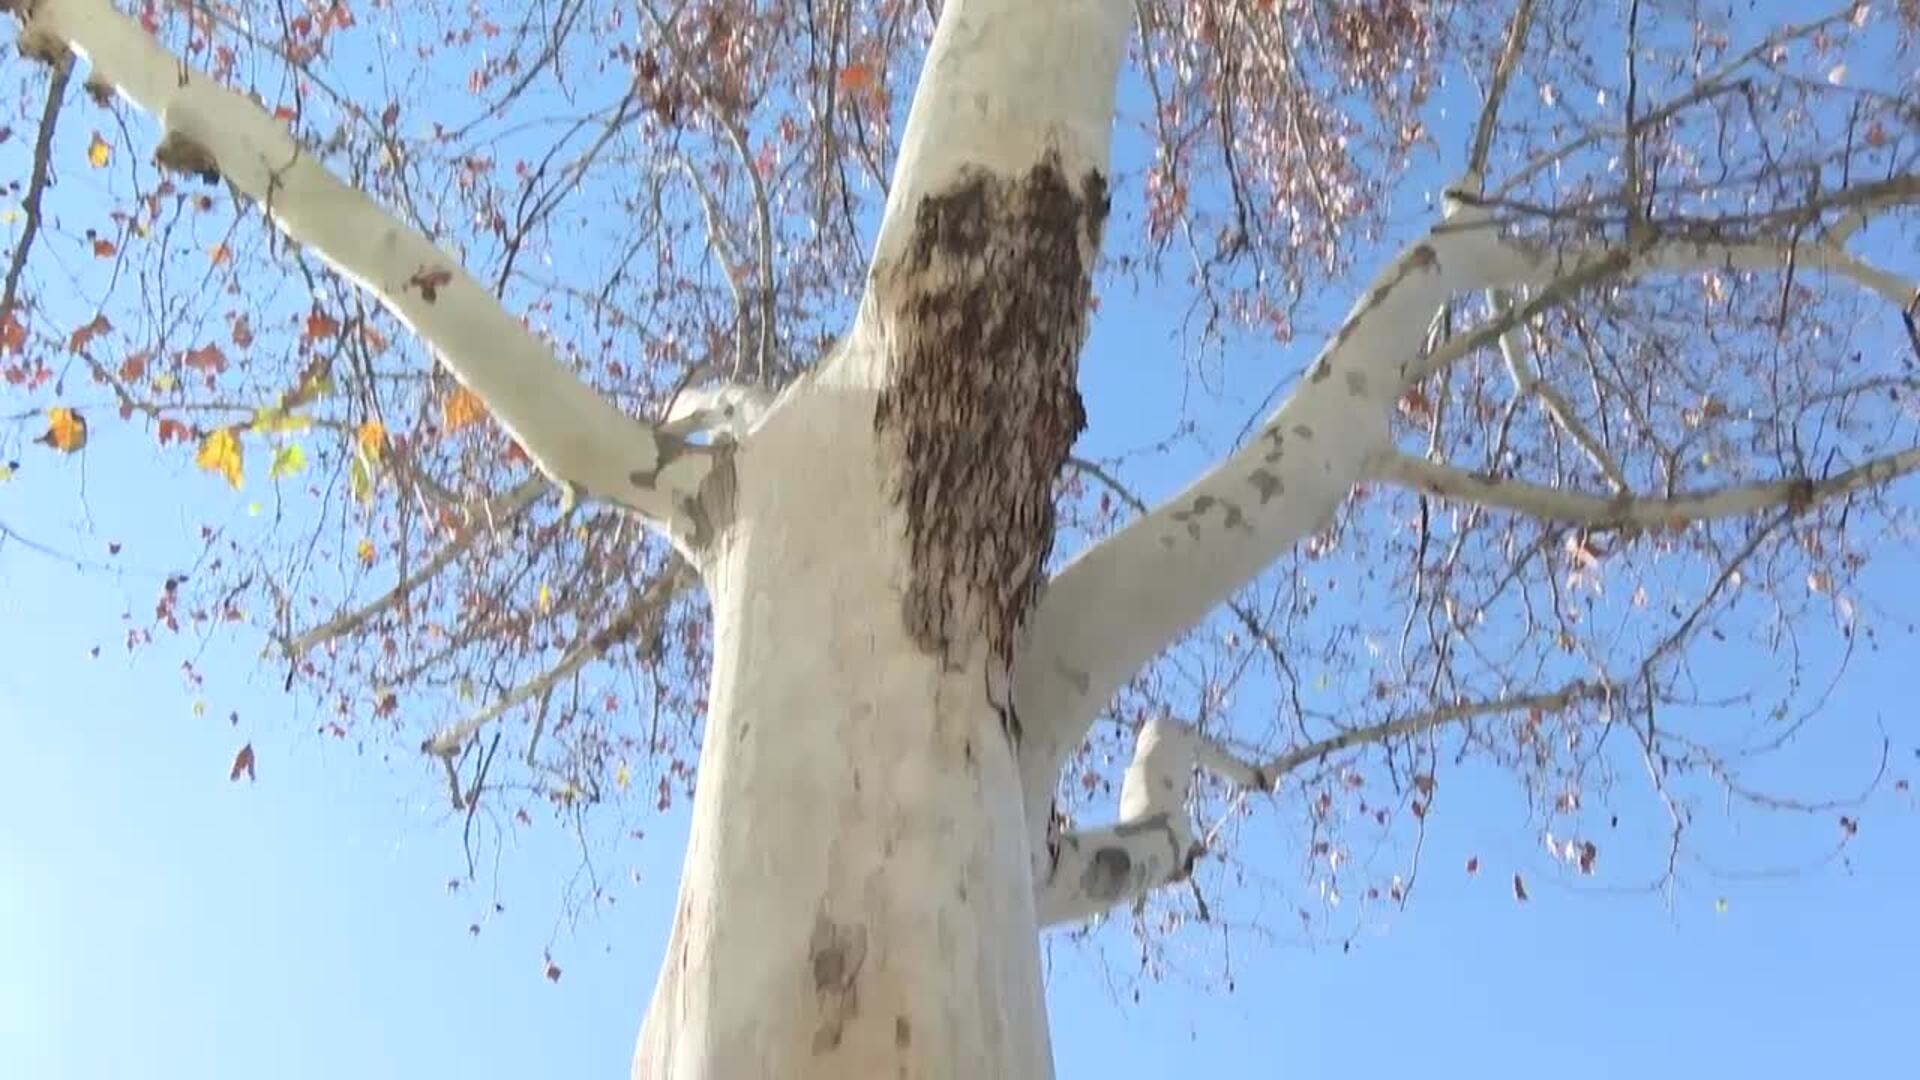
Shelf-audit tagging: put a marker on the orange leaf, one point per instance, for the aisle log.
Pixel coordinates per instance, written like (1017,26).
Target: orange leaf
(13,334)
(84,335)
(371,436)
(218,253)
(242,764)
(207,358)
(856,77)
(463,408)
(99,152)
(366,552)
(220,453)
(134,367)
(103,248)
(321,325)
(66,430)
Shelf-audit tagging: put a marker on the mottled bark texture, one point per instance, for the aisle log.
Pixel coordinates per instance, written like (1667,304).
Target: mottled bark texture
(984,314)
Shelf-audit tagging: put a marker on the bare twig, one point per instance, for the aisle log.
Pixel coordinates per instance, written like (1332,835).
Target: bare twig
(36,185)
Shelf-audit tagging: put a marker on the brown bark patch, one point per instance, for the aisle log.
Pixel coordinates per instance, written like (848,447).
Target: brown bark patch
(835,954)
(985,313)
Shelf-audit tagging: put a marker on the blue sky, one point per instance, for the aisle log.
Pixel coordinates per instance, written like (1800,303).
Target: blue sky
(157,920)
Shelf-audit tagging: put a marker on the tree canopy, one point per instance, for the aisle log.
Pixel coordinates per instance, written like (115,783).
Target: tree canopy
(1679,446)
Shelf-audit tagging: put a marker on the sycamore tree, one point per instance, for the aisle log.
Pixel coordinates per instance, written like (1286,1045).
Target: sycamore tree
(676,389)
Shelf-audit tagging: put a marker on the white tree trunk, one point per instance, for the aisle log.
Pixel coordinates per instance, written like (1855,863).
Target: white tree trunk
(858,897)
(856,900)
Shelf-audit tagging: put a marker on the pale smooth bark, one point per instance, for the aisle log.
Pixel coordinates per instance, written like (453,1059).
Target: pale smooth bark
(1152,842)
(856,898)
(1628,511)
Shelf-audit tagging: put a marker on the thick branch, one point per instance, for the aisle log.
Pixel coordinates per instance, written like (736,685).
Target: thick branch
(1129,596)
(1572,271)
(1091,871)
(575,435)
(1629,511)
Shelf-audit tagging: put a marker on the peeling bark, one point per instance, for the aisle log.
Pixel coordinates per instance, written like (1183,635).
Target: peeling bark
(984,315)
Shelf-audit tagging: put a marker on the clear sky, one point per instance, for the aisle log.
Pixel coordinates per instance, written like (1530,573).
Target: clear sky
(158,921)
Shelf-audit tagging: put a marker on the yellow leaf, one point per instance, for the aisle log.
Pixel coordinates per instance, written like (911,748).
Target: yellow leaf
(360,479)
(275,421)
(365,551)
(622,777)
(371,437)
(220,453)
(10,215)
(463,408)
(288,460)
(6,472)
(66,430)
(546,598)
(99,152)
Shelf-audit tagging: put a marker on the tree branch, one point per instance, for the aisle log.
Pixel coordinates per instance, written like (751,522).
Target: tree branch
(1631,511)
(1497,90)
(1129,596)
(505,508)
(1122,601)
(575,435)
(1091,871)
(646,603)
(36,183)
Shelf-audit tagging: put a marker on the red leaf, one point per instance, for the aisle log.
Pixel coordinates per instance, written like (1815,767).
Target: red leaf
(83,336)
(172,431)
(1473,864)
(243,763)
(242,330)
(104,249)
(134,367)
(207,358)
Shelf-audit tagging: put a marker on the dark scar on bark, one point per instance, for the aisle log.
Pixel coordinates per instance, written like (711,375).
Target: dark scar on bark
(988,304)
(835,954)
